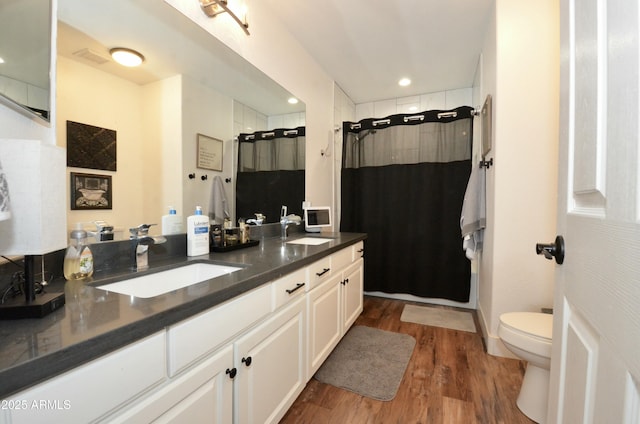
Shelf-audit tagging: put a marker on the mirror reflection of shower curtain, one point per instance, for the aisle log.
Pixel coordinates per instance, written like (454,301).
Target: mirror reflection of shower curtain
(403,183)
(270,173)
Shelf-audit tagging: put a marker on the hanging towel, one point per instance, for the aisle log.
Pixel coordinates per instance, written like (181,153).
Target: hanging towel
(473,219)
(5,210)
(218,207)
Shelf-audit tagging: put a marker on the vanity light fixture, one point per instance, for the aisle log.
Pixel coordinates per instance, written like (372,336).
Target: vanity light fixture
(213,8)
(126,57)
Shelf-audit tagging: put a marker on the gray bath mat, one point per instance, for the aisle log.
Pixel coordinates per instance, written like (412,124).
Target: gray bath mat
(369,362)
(438,317)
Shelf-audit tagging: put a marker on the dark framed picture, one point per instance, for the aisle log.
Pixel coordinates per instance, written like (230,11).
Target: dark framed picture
(91,147)
(91,191)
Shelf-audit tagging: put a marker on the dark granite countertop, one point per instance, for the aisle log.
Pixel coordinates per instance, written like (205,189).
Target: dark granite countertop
(94,322)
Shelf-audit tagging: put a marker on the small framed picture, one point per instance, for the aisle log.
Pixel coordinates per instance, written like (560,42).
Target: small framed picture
(91,191)
(209,153)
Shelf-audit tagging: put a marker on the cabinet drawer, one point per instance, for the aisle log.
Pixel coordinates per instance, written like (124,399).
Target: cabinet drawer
(193,338)
(289,287)
(358,250)
(342,258)
(318,272)
(114,379)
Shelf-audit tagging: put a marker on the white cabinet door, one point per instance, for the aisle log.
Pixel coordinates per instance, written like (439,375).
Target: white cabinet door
(271,366)
(203,394)
(323,311)
(352,294)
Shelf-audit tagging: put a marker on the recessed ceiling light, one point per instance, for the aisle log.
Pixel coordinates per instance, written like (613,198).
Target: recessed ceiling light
(404,82)
(126,57)
(293,101)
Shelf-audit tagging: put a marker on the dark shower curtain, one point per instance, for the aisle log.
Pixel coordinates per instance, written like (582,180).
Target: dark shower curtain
(270,173)
(403,183)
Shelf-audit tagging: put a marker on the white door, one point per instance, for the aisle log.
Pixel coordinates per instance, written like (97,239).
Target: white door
(595,370)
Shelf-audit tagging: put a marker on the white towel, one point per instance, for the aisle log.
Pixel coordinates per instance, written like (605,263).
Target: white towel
(473,219)
(218,206)
(5,209)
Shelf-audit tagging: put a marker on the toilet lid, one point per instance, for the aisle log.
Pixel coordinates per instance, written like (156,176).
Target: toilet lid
(534,323)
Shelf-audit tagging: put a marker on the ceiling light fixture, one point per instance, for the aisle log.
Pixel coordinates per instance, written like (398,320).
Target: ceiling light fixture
(213,8)
(404,82)
(293,101)
(126,57)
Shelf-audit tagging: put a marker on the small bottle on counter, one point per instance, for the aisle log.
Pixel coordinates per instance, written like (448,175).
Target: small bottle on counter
(197,234)
(78,259)
(172,222)
(217,240)
(243,231)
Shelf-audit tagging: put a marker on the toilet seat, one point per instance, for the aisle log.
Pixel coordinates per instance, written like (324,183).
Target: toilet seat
(529,331)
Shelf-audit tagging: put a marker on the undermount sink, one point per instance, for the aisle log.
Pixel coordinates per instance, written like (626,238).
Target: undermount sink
(314,241)
(166,281)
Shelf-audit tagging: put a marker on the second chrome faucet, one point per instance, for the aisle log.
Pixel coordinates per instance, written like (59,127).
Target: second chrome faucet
(286,220)
(140,242)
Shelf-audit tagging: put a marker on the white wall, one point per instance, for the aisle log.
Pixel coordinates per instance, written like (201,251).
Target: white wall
(93,97)
(156,127)
(162,161)
(520,69)
(204,111)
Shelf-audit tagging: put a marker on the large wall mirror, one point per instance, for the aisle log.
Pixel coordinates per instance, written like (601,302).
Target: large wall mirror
(190,83)
(25,56)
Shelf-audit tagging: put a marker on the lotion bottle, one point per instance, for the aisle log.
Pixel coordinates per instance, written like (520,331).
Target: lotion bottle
(171,223)
(78,259)
(197,234)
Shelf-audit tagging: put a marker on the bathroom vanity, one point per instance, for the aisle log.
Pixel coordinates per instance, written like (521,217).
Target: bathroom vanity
(237,348)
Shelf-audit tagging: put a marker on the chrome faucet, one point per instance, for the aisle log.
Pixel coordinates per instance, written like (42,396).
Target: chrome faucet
(285,221)
(140,242)
(258,220)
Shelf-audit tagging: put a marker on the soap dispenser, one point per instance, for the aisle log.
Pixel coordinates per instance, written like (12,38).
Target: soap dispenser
(78,259)
(197,234)
(172,223)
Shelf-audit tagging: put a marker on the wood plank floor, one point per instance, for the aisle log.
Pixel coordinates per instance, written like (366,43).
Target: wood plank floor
(450,379)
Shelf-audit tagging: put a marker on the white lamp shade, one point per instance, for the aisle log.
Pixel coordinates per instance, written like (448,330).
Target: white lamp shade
(35,177)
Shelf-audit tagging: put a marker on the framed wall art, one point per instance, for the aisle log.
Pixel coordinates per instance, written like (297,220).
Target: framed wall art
(209,153)
(91,147)
(91,191)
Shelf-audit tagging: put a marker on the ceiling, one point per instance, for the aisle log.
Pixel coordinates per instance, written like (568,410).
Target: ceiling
(368,45)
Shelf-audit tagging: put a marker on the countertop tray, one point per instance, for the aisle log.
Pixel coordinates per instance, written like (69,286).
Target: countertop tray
(235,246)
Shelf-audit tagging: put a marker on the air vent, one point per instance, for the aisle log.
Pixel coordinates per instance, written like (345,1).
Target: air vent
(92,56)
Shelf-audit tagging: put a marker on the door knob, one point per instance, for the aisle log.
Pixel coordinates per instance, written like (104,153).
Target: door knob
(551,250)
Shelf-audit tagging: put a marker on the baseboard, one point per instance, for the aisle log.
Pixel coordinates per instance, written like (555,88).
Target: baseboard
(492,342)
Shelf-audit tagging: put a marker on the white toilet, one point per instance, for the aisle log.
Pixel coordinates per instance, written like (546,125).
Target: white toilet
(528,336)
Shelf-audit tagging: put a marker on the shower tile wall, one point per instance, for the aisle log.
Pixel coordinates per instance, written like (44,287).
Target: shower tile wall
(440,100)
(248,120)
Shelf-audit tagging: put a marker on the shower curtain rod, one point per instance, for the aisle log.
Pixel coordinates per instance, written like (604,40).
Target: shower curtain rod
(434,115)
